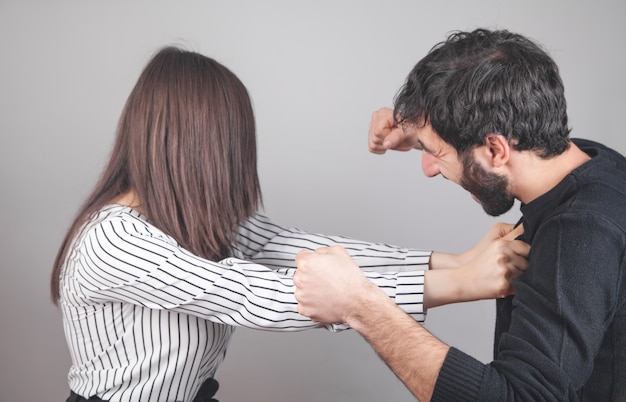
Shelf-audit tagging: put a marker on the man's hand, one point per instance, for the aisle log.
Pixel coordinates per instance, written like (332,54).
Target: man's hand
(384,134)
(328,284)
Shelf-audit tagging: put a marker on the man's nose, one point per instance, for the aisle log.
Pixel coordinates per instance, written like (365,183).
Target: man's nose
(429,165)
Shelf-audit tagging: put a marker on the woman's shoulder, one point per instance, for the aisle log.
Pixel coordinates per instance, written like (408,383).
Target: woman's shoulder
(111,213)
(124,222)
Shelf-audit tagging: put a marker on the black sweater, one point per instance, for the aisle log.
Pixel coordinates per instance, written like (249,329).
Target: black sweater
(562,337)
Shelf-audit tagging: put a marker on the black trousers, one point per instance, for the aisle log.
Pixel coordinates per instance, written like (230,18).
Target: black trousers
(205,394)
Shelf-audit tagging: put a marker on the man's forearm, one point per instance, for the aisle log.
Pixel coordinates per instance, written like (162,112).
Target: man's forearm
(410,351)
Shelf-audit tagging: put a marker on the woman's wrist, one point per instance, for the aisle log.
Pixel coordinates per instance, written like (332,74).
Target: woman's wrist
(444,286)
(440,260)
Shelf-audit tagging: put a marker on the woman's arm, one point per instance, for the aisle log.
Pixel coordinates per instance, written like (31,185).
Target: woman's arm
(123,258)
(266,243)
(487,276)
(482,272)
(500,231)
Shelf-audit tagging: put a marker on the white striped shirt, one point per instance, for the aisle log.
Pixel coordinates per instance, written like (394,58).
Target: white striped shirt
(146,320)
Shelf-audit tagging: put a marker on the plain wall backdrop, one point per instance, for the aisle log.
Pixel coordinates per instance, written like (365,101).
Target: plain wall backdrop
(315,72)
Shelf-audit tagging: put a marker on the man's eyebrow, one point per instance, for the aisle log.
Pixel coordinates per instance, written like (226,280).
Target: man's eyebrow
(423,147)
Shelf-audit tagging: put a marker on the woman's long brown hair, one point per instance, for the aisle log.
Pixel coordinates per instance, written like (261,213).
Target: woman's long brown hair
(186,146)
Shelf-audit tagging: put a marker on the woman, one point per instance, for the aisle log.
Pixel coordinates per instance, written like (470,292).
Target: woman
(169,253)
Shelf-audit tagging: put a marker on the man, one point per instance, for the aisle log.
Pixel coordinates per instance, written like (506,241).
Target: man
(488,112)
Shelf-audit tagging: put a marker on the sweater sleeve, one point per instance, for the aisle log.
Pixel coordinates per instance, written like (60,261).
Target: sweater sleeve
(561,309)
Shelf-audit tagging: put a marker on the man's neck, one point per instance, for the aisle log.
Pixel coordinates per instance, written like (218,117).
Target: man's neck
(533,176)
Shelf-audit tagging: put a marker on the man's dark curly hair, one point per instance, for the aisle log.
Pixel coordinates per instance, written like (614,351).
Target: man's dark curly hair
(482,82)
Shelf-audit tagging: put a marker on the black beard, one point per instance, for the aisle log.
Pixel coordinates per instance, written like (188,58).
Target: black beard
(489,189)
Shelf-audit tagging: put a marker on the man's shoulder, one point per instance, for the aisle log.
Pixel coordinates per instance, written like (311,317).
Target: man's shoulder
(599,199)
(594,148)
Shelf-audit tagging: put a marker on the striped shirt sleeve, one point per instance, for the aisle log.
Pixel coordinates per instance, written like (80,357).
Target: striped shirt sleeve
(266,243)
(398,271)
(124,259)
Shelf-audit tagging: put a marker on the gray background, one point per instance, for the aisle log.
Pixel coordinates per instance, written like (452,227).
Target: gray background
(315,71)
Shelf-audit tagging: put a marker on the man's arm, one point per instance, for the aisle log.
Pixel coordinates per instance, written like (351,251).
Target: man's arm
(416,360)
(549,350)
(349,297)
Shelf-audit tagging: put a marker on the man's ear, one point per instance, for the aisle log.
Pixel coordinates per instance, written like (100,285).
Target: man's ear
(499,149)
